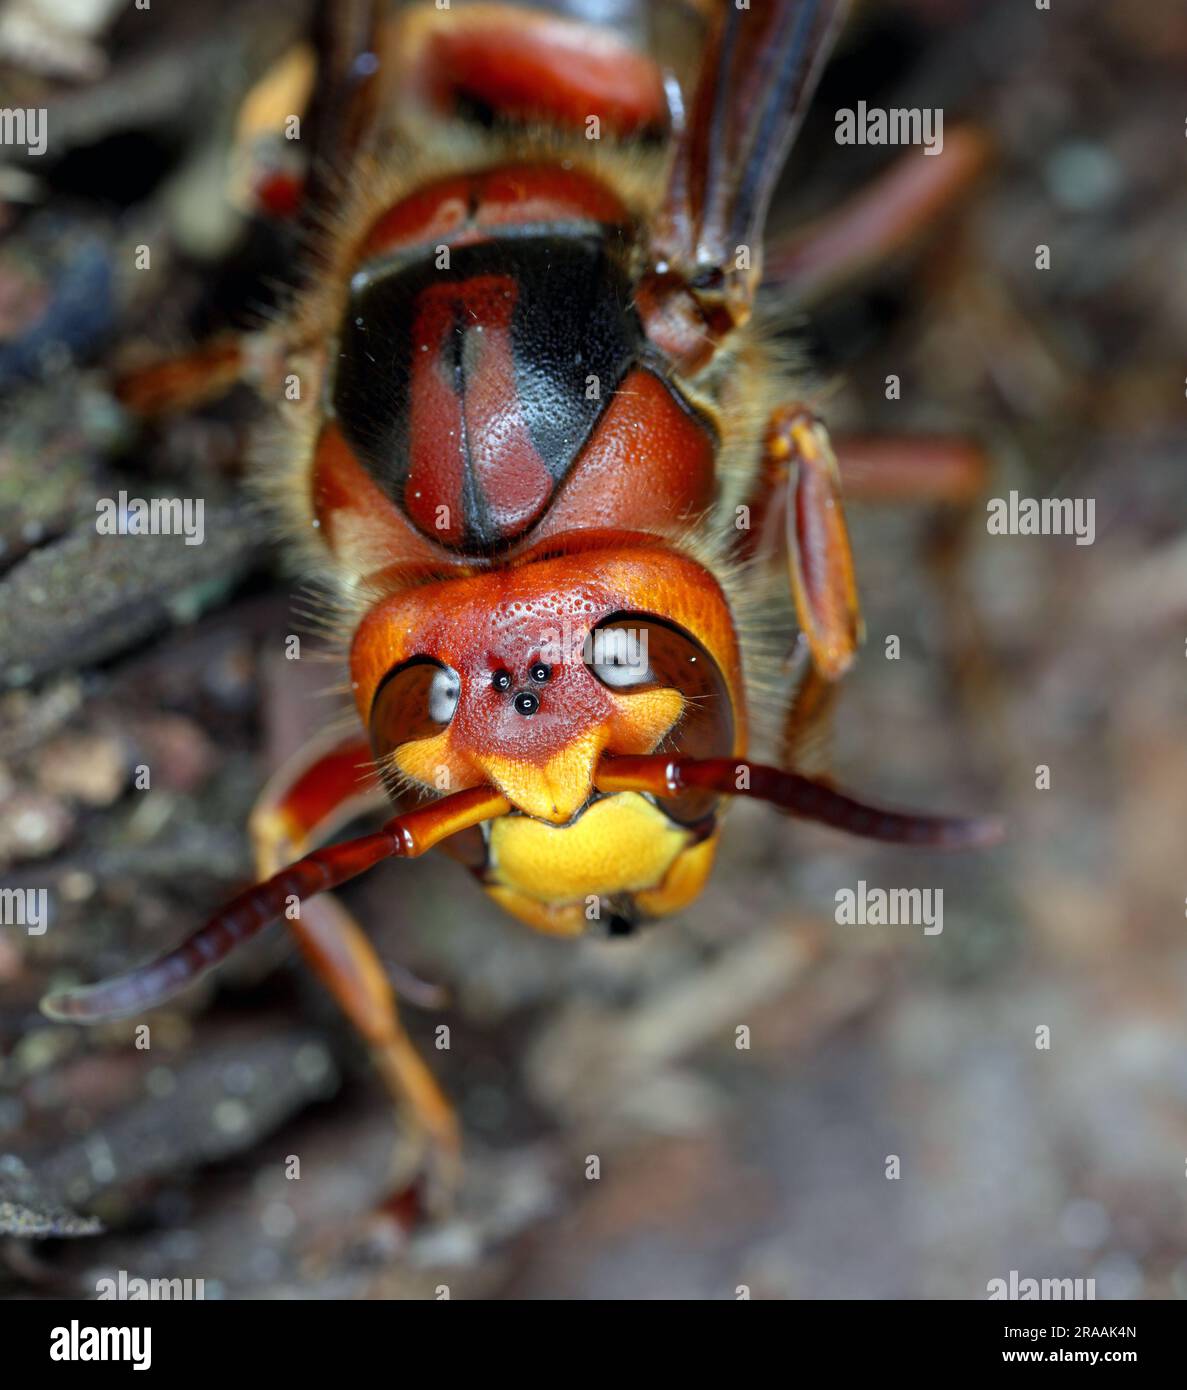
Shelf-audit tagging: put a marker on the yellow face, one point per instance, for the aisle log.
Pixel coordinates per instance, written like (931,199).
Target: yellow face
(524,679)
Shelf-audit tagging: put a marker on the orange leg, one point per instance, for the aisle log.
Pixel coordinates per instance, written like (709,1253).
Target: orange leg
(797,512)
(800,496)
(316,791)
(798,508)
(320,789)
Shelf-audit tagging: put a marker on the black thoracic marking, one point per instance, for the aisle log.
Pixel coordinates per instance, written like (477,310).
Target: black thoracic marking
(573,319)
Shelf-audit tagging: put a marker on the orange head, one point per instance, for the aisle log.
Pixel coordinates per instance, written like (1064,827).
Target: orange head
(524,676)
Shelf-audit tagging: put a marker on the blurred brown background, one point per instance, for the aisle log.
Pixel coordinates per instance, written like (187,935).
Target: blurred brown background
(719,1166)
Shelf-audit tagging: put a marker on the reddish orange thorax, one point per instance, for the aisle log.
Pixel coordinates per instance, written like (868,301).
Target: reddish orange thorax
(494,384)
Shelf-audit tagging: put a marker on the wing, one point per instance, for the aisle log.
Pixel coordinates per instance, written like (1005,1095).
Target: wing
(758,73)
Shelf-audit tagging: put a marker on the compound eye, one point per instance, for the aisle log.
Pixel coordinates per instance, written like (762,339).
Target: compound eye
(416,700)
(635,652)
